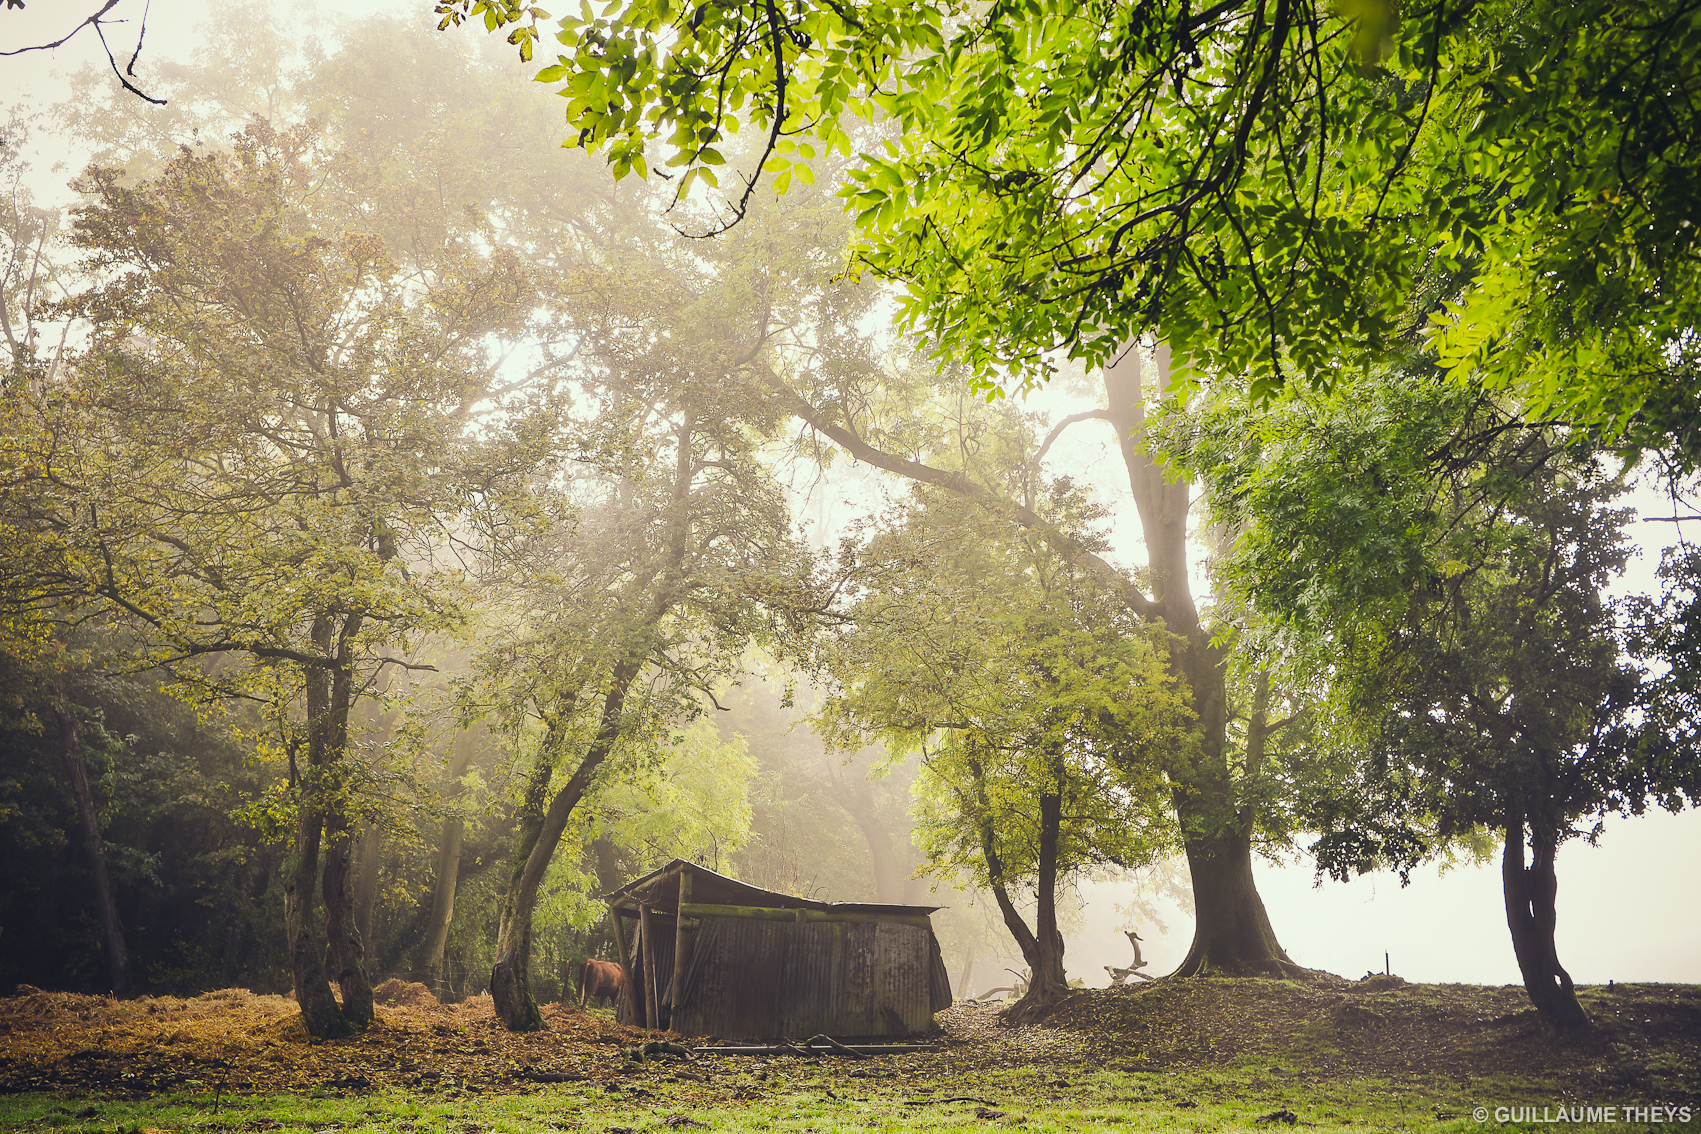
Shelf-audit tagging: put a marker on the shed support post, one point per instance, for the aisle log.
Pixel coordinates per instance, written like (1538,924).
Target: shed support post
(679,951)
(647,937)
(625,965)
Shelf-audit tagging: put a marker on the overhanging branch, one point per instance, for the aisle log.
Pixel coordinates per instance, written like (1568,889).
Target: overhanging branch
(851,442)
(95,21)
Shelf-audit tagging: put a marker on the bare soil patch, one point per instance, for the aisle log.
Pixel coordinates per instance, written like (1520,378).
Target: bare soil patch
(256,1044)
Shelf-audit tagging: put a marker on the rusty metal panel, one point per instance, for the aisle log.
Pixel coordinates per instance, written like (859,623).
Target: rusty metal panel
(663,985)
(660,889)
(732,982)
(906,983)
(858,981)
(632,1010)
(752,979)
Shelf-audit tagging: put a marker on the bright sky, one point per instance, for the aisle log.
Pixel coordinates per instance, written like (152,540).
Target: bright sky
(1627,909)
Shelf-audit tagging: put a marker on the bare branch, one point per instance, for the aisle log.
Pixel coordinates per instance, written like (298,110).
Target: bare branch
(848,439)
(95,21)
(1057,430)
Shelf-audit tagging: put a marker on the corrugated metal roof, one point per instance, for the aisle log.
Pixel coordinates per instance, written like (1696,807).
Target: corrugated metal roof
(661,886)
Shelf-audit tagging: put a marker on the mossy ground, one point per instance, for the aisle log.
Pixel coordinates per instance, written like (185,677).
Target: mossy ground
(1197,1056)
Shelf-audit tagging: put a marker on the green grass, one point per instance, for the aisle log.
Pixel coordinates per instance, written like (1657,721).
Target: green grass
(813,1100)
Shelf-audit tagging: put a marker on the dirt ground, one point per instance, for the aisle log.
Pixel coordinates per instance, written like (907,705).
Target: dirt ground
(1647,1036)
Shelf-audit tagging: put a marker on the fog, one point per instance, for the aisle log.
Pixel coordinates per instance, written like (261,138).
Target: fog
(1627,913)
(1627,907)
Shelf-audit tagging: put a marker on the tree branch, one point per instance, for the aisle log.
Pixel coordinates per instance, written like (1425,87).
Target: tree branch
(851,442)
(1057,430)
(95,22)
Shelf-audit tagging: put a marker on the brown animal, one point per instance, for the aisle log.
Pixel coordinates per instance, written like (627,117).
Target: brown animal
(600,979)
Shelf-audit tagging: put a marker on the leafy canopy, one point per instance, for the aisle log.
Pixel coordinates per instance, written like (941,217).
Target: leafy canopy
(1277,187)
(1014,677)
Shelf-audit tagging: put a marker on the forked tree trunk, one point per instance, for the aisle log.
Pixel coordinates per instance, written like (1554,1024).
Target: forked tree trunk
(1530,914)
(1049,984)
(1042,946)
(319,1010)
(540,834)
(322,812)
(76,769)
(347,948)
(510,977)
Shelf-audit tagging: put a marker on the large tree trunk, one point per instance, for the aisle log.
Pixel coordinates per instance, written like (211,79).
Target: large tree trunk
(1530,914)
(71,750)
(1232,933)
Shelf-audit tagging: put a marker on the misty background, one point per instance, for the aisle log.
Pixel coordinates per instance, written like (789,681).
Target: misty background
(1626,907)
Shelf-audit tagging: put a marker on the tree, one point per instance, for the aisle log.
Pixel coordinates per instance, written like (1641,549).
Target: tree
(1275,187)
(1443,563)
(259,457)
(1044,721)
(447,876)
(692,802)
(1222,791)
(670,556)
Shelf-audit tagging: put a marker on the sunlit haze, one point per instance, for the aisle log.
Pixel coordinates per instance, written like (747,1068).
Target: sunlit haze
(1626,907)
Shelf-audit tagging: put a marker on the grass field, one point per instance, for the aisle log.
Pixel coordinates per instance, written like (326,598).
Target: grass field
(1196,1056)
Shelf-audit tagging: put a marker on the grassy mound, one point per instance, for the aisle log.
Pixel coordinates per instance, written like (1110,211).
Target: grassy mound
(1646,1036)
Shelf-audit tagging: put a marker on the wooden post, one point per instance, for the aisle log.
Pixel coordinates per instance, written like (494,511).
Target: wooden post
(679,950)
(625,965)
(647,938)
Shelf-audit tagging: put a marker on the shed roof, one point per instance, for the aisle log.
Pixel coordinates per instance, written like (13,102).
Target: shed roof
(660,887)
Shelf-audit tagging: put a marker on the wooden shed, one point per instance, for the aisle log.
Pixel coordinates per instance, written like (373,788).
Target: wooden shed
(706,954)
